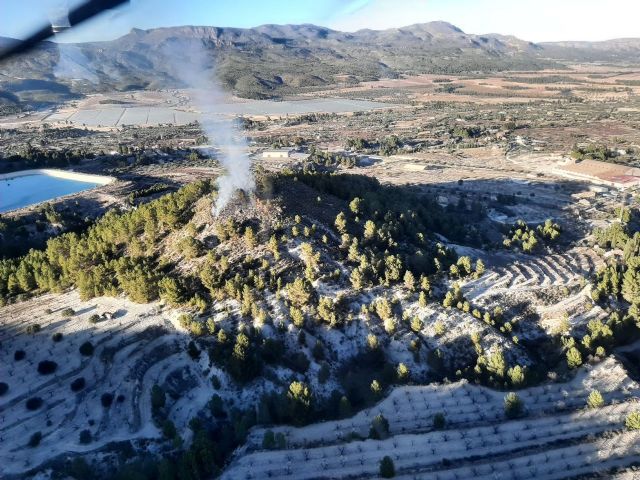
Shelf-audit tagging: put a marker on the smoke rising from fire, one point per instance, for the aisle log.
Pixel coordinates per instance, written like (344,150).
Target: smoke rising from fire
(190,63)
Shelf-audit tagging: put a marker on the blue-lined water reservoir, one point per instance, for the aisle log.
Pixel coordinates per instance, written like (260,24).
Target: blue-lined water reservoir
(21,189)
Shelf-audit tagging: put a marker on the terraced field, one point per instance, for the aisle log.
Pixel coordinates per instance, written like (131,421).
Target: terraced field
(557,437)
(528,272)
(555,287)
(132,351)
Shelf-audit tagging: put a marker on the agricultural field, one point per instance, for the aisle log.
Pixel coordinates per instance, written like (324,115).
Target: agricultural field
(140,110)
(559,437)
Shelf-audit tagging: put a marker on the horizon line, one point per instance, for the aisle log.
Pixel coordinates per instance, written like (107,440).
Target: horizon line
(165,27)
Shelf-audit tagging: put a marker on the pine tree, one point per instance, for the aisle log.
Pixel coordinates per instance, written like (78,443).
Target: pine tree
(297,317)
(300,401)
(170,291)
(250,237)
(376,388)
(409,281)
(416,324)
(272,246)
(357,279)
(425,284)
(513,406)
(632,422)
(344,408)
(269,440)
(574,357)
(402,371)
(439,328)
(355,206)
(383,308)
(479,268)
(595,400)
(496,363)
(631,282)
(464,265)
(309,257)
(516,375)
(422,300)
(299,292)
(379,429)
(439,421)
(341,223)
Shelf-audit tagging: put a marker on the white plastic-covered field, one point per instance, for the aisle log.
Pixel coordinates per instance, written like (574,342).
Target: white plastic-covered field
(153,115)
(134,347)
(557,437)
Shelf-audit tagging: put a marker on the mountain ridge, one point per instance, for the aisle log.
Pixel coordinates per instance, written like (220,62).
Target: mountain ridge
(272,60)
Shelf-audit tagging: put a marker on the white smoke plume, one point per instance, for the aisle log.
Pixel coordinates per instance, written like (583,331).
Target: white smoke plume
(73,64)
(189,62)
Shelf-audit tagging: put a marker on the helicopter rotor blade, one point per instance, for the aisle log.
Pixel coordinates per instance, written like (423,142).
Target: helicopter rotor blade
(78,15)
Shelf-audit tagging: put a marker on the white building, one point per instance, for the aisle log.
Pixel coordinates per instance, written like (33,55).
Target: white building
(278,153)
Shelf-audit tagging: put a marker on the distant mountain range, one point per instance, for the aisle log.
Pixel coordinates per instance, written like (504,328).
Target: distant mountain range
(272,60)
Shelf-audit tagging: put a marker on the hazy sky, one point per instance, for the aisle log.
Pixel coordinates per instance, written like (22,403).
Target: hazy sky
(535,20)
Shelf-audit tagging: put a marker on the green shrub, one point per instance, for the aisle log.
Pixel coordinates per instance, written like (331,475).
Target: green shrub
(269,440)
(78,384)
(85,437)
(632,422)
(33,329)
(86,349)
(387,468)
(439,421)
(34,440)
(34,403)
(513,406)
(106,399)
(47,367)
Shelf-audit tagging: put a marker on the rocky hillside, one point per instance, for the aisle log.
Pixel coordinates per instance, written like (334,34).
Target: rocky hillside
(272,60)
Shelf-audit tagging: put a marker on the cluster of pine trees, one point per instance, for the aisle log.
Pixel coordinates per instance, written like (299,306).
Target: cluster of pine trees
(114,255)
(620,279)
(33,157)
(529,239)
